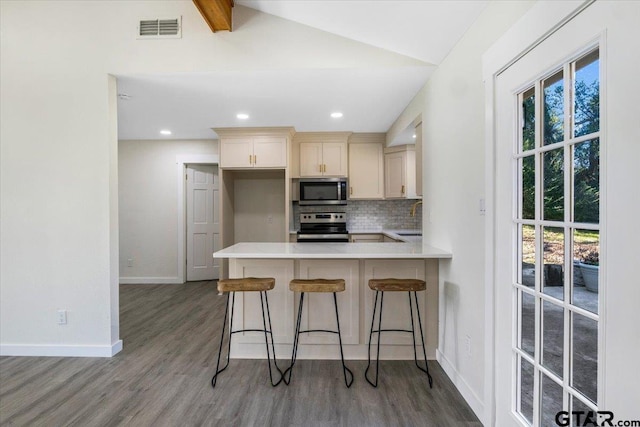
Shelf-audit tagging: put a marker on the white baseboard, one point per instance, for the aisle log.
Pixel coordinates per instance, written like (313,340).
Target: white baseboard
(49,350)
(467,393)
(150,281)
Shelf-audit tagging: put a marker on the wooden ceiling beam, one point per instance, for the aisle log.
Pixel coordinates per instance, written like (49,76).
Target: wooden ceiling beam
(217,13)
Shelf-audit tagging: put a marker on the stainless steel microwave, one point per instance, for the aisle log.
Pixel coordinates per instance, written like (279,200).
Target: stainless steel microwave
(323,191)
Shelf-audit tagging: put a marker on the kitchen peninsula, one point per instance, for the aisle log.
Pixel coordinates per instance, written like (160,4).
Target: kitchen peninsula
(356,263)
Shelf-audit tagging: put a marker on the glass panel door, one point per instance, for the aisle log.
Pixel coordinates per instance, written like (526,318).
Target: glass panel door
(558,242)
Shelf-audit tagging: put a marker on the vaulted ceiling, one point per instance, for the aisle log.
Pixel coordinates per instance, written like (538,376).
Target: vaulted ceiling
(392,46)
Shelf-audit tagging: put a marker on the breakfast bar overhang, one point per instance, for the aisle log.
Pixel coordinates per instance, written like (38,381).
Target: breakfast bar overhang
(356,263)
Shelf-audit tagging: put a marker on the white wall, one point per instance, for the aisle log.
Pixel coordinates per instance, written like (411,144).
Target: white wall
(58,165)
(452,108)
(148,200)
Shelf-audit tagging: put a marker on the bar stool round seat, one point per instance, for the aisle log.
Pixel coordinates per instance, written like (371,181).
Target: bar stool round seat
(248,284)
(397,285)
(411,286)
(318,286)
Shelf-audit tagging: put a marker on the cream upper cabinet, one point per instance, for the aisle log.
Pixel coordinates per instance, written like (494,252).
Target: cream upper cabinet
(400,172)
(366,171)
(247,148)
(311,159)
(254,152)
(323,159)
(269,152)
(236,152)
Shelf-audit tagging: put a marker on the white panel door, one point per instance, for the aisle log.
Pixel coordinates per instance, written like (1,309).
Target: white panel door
(319,310)
(203,222)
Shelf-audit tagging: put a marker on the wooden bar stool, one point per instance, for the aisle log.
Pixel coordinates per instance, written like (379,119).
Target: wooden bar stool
(317,285)
(396,285)
(249,284)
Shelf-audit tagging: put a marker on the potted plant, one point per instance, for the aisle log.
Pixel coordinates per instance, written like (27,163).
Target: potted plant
(590,268)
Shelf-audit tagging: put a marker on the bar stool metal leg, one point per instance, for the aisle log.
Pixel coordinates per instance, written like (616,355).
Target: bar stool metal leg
(296,337)
(264,301)
(424,351)
(224,326)
(348,374)
(366,372)
(268,332)
(345,370)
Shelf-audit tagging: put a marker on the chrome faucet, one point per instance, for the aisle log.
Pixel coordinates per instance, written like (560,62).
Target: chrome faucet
(412,212)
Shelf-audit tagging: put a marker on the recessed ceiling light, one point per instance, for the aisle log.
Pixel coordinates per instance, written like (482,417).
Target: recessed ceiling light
(242,116)
(165,132)
(414,136)
(336,115)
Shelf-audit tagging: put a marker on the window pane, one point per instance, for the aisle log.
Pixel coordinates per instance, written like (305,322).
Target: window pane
(552,337)
(586,181)
(585,356)
(528,120)
(527,323)
(554,185)
(554,109)
(551,402)
(528,239)
(528,187)
(553,261)
(586,260)
(587,95)
(526,389)
(579,406)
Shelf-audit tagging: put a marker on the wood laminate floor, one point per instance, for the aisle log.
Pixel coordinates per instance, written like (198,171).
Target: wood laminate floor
(162,378)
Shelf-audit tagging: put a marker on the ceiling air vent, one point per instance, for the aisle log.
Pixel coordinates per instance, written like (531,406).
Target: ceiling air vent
(158,28)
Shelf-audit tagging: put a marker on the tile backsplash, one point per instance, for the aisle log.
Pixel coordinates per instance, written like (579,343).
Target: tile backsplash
(369,214)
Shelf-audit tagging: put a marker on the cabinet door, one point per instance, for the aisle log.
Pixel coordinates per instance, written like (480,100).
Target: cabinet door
(236,153)
(334,158)
(269,152)
(396,304)
(395,175)
(366,171)
(319,310)
(310,159)
(247,312)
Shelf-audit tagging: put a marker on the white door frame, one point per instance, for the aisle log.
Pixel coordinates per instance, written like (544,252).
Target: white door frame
(182,161)
(541,21)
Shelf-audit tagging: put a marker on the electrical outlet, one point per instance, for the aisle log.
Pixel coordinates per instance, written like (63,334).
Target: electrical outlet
(130,262)
(62,317)
(467,342)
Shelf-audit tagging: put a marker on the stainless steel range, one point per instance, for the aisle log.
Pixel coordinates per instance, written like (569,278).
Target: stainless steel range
(323,227)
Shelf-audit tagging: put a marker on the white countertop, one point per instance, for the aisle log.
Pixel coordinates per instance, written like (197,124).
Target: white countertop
(332,251)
